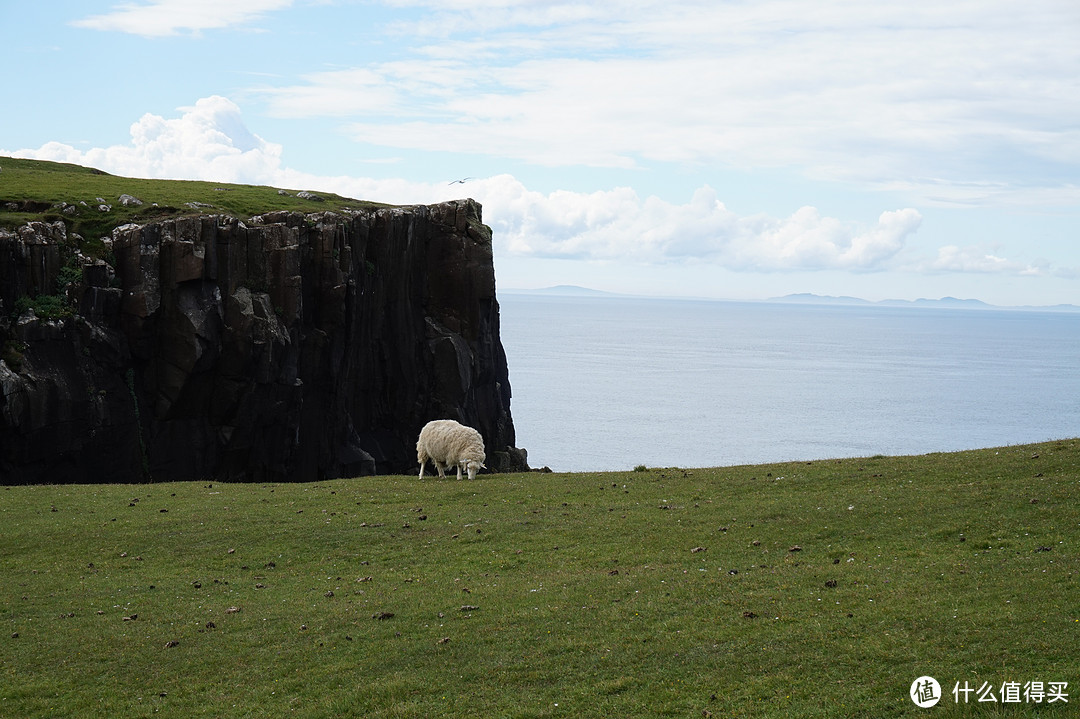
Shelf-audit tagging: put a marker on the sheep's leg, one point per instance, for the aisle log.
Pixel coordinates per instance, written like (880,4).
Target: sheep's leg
(459,471)
(422,463)
(439,466)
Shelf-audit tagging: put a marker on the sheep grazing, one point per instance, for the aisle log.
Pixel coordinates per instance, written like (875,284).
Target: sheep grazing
(447,443)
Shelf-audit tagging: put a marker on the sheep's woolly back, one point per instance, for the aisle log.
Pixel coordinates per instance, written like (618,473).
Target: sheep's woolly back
(448,442)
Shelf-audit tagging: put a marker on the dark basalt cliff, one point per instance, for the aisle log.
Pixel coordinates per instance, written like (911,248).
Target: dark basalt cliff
(285,347)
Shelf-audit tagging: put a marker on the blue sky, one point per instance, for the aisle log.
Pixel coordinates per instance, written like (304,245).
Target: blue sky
(727,149)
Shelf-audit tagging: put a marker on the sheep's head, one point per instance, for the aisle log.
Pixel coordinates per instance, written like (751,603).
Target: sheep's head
(472,467)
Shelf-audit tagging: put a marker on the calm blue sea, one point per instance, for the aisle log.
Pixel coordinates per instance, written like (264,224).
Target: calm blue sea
(602,383)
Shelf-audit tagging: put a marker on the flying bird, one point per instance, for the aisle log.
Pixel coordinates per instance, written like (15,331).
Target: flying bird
(459,182)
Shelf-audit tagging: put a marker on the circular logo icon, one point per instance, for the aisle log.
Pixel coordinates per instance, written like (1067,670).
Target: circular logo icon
(925,692)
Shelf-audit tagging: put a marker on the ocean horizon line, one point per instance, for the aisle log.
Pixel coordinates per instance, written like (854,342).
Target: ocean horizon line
(802,298)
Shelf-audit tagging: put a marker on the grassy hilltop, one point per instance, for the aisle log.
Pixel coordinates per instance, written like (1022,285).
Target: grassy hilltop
(40,190)
(786,590)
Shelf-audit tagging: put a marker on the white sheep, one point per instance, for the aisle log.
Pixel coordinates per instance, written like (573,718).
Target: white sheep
(448,443)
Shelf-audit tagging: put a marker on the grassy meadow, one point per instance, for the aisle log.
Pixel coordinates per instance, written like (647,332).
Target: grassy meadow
(810,589)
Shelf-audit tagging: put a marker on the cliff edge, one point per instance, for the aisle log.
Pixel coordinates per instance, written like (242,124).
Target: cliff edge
(284,347)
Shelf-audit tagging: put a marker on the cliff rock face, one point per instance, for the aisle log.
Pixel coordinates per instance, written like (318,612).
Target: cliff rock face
(286,347)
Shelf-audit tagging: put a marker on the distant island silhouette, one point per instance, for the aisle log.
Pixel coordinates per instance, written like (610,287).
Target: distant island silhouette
(803,298)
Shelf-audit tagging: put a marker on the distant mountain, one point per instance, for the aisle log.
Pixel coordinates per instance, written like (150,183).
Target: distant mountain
(807,298)
(563,291)
(804,298)
(949,302)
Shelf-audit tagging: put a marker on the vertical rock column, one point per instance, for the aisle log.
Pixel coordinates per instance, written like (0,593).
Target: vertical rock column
(287,347)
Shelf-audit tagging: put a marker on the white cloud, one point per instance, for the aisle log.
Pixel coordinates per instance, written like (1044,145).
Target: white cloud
(979,260)
(339,93)
(209,141)
(618,224)
(968,103)
(933,98)
(169,17)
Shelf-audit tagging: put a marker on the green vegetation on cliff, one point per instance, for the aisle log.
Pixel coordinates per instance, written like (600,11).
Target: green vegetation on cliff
(816,589)
(88,200)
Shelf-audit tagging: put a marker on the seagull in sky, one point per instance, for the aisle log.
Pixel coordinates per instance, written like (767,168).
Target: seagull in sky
(459,182)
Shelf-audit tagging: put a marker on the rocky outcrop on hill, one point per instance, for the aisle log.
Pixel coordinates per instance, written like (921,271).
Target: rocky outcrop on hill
(285,347)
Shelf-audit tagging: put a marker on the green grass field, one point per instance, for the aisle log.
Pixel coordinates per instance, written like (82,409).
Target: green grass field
(789,590)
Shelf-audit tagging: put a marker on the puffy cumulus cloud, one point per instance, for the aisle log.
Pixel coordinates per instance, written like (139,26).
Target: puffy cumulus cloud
(210,141)
(618,224)
(806,240)
(169,17)
(207,142)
